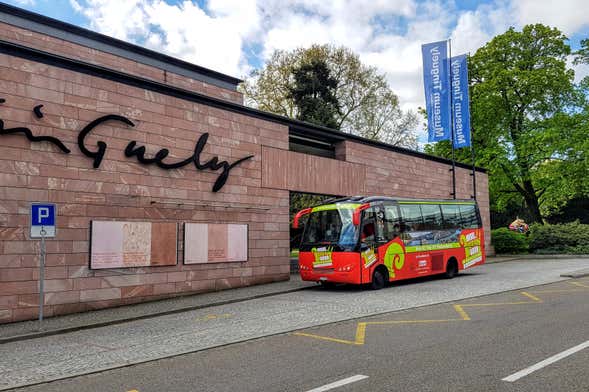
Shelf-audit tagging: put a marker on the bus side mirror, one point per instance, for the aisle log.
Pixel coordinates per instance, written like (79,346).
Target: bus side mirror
(298,216)
(358,212)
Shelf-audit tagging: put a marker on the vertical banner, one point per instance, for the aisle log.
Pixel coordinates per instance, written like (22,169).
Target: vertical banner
(460,101)
(437,94)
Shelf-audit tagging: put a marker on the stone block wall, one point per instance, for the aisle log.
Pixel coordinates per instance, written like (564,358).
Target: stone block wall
(123,189)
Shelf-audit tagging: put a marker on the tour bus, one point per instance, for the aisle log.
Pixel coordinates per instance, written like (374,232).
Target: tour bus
(374,240)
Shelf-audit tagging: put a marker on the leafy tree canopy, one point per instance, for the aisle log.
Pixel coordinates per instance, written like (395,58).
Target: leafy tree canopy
(529,120)
(313,94)
(366,105)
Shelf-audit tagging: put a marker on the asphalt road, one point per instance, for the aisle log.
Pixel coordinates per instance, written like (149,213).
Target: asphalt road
(444,347)
(33,361)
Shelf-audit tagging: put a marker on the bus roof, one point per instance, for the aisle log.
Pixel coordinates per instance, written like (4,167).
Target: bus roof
(373,199)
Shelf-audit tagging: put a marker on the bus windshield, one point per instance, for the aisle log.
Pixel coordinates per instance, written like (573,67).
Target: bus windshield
(330,227)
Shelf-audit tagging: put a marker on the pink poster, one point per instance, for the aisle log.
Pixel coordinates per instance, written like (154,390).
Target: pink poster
(132,244)
(214,243)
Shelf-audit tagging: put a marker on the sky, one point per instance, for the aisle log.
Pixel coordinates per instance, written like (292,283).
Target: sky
(237,36)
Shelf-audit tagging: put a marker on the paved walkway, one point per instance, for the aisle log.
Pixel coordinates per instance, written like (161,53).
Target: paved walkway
(55,357)
(72,322)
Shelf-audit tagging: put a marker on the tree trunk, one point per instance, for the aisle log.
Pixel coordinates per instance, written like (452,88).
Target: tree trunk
(532,201)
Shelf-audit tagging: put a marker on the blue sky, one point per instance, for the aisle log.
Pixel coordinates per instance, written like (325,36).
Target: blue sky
(237,36)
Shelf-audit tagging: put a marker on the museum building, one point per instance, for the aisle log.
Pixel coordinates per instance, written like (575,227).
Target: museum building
(165,183)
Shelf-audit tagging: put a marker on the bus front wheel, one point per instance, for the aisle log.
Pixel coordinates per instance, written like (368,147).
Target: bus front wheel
(379,278)
(451,269)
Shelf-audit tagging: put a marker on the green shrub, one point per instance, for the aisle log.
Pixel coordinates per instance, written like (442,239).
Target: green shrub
(507,241)
(570,238)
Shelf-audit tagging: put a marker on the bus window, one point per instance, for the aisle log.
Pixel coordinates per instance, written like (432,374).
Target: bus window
(330,227)
(411,214)
(372,226)
(392,222)
(451,215)
(470,219)
(432,216)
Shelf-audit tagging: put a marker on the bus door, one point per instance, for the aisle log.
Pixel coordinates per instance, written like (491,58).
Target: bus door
(371,236)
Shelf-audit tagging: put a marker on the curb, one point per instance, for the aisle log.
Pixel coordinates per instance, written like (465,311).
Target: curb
(542,256)
(41,334)
(576,274)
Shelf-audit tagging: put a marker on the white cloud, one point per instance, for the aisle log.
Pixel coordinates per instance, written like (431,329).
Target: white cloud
(125,20)
(567,15)
(387,34)
(76,6)
(213,40)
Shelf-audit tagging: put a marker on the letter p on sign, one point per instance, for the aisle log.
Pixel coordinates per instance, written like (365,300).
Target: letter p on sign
(43,214)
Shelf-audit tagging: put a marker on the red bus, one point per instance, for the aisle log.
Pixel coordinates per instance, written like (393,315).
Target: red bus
(374,240)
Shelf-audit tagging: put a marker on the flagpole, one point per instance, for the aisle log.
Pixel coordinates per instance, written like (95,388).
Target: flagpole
(472,151)
(451,118)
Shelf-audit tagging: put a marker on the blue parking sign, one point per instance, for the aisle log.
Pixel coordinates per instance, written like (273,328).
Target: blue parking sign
(43,220)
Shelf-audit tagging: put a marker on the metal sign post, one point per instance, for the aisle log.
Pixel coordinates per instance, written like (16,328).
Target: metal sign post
(42,277)
(42,226)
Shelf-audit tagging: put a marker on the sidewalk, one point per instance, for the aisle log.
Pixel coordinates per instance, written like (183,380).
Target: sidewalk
(98,318)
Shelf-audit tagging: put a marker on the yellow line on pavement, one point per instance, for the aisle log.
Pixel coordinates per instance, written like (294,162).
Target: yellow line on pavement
(360,333)
(580,284)
(530,296)
(461,312)
(411,321)
(580,290)
(459,308)
(309,335)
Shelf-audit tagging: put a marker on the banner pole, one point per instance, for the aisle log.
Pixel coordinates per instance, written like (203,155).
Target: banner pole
(451,117)
(472,150)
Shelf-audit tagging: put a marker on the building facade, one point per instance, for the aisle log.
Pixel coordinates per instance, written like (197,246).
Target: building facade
(132,144)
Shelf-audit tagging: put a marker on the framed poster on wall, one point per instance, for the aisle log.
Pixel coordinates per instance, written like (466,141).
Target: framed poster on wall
(214,243)
(132,244)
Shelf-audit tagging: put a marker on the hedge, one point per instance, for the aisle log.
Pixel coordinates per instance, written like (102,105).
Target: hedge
(507,241)
(572,238)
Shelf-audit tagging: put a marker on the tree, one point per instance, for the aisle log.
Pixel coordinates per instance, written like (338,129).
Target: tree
(526,123)
(313,94)
(582,55)
(366,104)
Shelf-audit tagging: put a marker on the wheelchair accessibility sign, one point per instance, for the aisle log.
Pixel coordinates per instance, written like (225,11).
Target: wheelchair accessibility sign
(43,220)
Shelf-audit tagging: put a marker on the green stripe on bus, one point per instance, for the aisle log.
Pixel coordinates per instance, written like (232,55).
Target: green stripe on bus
(328,207)
(438,202)
(423,248)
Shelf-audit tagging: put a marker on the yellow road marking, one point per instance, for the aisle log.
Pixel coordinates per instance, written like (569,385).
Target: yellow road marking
(411,321)
(309,335)
(461,312)
(580,284)
(530,296)
(360,333)
(459,308)
(580,290)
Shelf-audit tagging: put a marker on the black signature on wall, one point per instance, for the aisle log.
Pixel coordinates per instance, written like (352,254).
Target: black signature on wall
(132,148)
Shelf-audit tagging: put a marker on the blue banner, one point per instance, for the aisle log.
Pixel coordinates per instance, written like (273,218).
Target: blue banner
(437,93)
(460,101)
